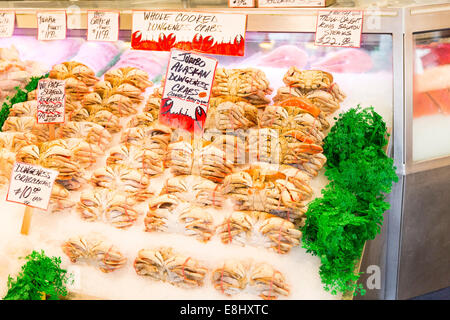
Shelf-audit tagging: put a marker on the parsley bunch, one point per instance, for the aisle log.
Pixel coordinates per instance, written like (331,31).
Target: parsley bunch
(40,275)
(351,208)
(20,96)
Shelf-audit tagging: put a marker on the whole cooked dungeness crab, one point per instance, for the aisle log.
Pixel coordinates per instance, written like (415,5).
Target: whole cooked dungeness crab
(244,227)
(122,178)
(298,114)
(261,188)
(293,147)
(316,85)
(75,70)
(250,85)
(231,278)
(107,257)
(194,189)
(232,116)
(208,162)
(146,160)
(270,283)
(112,206)
(133,76)
(166,265)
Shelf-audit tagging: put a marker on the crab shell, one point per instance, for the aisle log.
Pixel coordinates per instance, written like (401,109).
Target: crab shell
(281,233)
(112,206)
(156,136)
(134,76)
(24,109)
(294,118)
(14,141)
(185,271)
(268,281)
(232,116)
(120,105)
(73,69)
(60,200)
(238,225)
(160,208)
(152,105)
(249,84)
(198,222)
(144,160)
(76,248)
(231,278)
(150,263)
(93,133)
(145,119)
(19,124)
(118,177)
(107,120)
(307,79)
(109,258)
(83,153)
(75,89)
(233,147)
(194,189)
(7,159)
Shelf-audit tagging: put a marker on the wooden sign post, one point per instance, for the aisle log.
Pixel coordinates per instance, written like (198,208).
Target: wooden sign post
(32,186)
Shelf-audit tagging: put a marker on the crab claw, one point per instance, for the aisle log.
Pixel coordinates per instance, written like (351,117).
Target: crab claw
(302,103)
(300,136)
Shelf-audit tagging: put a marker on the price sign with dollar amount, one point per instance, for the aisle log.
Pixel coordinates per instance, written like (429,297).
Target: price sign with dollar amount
(31,185)
(339,28)
(102,25)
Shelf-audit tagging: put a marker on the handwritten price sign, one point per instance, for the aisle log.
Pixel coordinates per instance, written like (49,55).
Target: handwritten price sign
(187,89)
(6,24)
(31,185)
(339,28)
(103,26)
(51,25)
(51,101)
(241,3)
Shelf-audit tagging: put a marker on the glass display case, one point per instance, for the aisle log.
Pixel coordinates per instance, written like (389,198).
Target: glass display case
(401,69)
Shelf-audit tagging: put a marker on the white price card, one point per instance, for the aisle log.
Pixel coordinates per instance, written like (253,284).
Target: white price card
(7,23)
(51,101)
(205,32)
(241,3)
(51,25)
(103,25)
(339,28)
(31,185)
(187,89)
(290,3)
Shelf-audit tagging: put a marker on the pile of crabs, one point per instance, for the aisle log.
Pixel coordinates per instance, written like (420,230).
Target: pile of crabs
(245,181)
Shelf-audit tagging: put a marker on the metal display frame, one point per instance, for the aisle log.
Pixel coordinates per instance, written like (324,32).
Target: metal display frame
(419,19)
(400,23)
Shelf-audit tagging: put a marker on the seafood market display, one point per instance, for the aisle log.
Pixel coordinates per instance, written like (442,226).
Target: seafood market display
(245,183)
